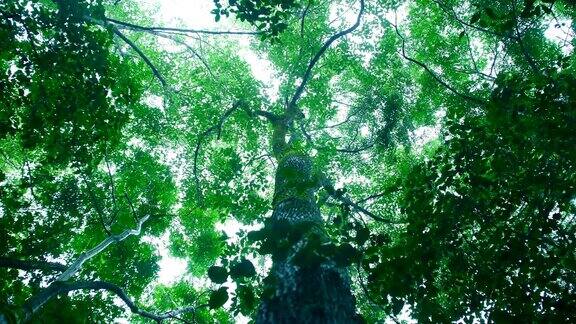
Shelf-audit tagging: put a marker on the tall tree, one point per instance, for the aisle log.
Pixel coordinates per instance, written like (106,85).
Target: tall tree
(416,161)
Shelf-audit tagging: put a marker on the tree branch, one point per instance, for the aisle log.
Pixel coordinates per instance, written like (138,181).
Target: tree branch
(304,17)
(57,288)
(202,136)
(298,93)
(28,265)
(179,30)
(356,150)
(387,191)
(112,186)
(143,56)
(77,264)
(97,207)
(453,15)
(346,201)
(427,69)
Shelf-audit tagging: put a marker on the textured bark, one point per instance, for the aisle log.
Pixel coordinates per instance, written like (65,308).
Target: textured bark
(314,294)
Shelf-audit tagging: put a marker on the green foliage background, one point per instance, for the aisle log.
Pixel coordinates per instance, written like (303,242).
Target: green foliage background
(480,216)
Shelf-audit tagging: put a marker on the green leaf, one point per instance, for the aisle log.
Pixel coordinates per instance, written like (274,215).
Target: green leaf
(346,254)
(217,274)
(362,234)
(218,297)
(242,269)
(490,13)
(475,17)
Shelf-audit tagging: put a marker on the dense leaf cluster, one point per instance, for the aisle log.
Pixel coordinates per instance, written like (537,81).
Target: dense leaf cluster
(441,134)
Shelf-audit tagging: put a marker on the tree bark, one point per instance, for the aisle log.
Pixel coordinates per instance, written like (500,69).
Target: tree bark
(317,293)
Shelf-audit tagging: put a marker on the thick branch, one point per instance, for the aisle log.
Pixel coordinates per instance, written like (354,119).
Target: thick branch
(28,265)
(77,265)
(292,105)
(33,304)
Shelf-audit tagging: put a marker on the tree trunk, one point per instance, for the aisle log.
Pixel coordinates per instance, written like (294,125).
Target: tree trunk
(316,293)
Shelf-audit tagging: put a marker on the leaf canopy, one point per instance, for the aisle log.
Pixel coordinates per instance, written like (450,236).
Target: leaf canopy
(447,127)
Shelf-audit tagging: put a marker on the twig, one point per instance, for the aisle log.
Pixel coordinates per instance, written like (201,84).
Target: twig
(298,93)
(202,136)
(427,69)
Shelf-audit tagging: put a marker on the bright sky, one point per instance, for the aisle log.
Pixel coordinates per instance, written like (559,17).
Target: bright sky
(196,14)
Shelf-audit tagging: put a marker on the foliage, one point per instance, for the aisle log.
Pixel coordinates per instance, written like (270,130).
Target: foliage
(446,126)
(269,17)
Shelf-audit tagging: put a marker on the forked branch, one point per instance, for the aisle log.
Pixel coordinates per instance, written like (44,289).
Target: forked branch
(298,93)
(215,128)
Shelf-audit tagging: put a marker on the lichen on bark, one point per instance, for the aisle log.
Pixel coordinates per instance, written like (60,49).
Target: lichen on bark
(316,293)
